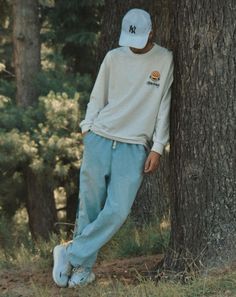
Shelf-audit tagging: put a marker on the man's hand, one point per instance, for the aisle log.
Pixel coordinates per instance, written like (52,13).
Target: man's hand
(152,162)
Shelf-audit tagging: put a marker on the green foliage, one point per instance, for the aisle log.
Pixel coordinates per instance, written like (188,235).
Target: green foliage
(47,3)
(4,11)
(17,248)
(7,87)
(72,28)
(6,233)
(44,137)
(69,31)
(56,77)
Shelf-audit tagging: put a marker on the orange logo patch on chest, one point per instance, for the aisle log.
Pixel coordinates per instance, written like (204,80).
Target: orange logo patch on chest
(155,75)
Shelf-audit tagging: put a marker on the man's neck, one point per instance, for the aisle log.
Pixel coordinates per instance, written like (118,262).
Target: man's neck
(144,50)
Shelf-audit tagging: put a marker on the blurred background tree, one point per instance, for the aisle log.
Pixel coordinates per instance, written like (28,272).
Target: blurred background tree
(72,30)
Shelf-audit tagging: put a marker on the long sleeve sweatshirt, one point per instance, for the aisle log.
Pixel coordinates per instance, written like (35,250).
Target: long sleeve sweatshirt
(130,101)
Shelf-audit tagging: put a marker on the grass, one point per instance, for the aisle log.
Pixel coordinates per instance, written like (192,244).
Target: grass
(210,286)
(17,247)
(29,266)
(131,241)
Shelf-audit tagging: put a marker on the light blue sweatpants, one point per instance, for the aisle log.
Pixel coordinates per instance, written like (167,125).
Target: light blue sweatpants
(110,176)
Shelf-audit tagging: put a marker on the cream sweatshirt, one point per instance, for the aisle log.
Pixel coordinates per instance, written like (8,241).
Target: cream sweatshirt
(130,101)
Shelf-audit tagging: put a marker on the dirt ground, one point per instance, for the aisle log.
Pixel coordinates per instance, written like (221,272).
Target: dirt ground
(15,283)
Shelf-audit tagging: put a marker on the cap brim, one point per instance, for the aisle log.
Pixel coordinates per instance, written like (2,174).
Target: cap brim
(133,41)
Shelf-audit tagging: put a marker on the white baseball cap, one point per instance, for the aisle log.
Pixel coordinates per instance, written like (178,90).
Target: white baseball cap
(136,26)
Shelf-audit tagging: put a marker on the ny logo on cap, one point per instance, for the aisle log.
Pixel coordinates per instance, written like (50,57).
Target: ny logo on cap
(132,29)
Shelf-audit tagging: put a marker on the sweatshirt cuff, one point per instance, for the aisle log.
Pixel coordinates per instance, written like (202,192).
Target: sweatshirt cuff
(158,147)
(84,127)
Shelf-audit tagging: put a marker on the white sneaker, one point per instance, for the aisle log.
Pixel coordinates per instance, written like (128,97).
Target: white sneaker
(62,267)
(81,276)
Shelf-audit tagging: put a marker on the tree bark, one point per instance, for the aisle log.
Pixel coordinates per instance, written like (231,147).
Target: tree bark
(203,200)
(72,200)
(26,50)
(153,197)
(40,205)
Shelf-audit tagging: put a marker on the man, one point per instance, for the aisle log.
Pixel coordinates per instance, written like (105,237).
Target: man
(125,130)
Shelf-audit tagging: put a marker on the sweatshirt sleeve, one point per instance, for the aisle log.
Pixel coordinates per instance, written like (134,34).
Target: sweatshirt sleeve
(161,132)
(98,97)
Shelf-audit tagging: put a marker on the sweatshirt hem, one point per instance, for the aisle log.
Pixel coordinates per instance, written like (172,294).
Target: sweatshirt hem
(120,139)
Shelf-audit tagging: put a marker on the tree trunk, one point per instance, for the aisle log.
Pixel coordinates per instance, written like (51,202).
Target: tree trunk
(72,201)
(153,197)
(40,201)
(203,200)
(26,49)
(40,205)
